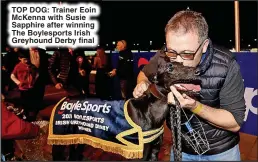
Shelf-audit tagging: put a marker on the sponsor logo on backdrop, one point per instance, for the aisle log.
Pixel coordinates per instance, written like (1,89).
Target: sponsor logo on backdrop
(142,61)
(250,95)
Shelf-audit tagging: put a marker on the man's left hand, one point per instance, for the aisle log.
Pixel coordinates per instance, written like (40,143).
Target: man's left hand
(112,73)
(184,100)
(82,72)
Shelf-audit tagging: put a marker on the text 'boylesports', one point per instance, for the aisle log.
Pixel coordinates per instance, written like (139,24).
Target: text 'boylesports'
(85,106)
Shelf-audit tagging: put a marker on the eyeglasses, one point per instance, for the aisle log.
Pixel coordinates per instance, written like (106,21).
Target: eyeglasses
(185,56)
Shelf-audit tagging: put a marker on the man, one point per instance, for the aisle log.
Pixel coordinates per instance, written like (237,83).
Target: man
(38,58)
(222,106)
(103,83)
(62,70)
(124,69)
(83,72)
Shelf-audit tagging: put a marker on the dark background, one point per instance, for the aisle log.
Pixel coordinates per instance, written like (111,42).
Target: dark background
(140,22)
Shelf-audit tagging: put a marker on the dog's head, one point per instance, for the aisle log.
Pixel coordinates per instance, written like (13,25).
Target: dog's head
(183,78)
(154,101)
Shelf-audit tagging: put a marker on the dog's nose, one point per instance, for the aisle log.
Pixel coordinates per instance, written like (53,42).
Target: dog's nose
(170,68)
(155,79)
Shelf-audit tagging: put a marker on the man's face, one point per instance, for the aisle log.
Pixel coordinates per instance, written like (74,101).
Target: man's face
(186,44)
(100,52)
(120,46)
(80,60)
(16,49)
(7,49)
(70,50)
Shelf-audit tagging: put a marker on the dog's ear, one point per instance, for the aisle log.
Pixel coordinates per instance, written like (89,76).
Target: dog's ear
(163,90)
(154,90)
(153,93)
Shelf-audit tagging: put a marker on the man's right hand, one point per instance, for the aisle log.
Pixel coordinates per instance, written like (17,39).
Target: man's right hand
(140,89)
(59,86)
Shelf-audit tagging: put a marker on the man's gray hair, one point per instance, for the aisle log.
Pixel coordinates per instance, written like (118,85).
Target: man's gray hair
(188,21)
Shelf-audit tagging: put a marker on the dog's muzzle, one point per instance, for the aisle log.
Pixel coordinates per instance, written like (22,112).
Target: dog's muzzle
(183,78)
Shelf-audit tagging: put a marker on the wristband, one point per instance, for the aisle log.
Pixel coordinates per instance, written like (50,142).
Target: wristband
(197,109)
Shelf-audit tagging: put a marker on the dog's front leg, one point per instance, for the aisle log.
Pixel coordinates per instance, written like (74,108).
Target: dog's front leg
(146,153)
(156,148)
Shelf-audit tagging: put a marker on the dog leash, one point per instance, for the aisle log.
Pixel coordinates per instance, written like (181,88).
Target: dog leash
(175,119)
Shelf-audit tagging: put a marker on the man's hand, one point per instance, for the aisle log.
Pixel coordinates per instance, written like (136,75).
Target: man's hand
(218,117)
(140,89)
(82,72)
(184,100)
(112,73)
(59,86)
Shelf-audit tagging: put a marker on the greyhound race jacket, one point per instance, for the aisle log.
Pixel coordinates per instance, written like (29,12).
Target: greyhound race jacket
(99,123)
